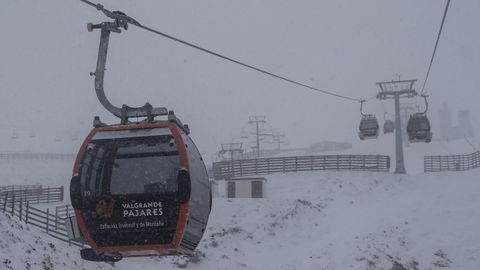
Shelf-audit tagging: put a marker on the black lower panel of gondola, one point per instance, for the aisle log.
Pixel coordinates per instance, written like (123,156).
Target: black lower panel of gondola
(90,255)
(131,220)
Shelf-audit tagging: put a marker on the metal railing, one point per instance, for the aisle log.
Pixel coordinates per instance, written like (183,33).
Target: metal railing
(247,167)
(32,194)
(452,162)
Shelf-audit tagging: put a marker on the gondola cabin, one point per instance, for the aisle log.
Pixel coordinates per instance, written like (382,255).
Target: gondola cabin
(418,128)
(388,127)
(140,190)
(368,128)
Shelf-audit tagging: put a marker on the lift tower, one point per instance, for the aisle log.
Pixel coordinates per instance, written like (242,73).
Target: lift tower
(396,90)
(232,149)
(258,120)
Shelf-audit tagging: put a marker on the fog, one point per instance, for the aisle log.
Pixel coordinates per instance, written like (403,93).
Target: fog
(344,46)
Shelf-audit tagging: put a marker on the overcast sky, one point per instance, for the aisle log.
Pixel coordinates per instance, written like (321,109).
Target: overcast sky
(345,46)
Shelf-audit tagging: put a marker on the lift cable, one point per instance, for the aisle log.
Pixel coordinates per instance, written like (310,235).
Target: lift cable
(436,44)
(117,15)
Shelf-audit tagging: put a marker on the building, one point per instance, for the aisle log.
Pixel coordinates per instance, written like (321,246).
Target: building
(246,187)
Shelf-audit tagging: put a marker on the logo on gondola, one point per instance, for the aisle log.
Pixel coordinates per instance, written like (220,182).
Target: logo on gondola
(105,209)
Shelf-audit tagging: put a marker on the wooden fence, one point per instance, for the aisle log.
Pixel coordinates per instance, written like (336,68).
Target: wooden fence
(52,224)
(31,194)
(18,187)
(36,156)
(452,162)
(64,211)
(247,167)
(17,200)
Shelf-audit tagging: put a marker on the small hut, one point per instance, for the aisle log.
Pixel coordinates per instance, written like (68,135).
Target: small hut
(246,187)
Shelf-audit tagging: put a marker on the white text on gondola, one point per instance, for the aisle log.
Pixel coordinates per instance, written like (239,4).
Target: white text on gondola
(147,209)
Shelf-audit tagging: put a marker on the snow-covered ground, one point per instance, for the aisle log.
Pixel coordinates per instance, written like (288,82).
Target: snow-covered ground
(25,247)
(310,220)
(313,220)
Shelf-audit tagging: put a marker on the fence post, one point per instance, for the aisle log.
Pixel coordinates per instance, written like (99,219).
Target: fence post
(48,219)
(21,206)
(13,205)
(56,218)
(26,212)
(296,163)
(5,202)
(66,208)
(241,168)
(378,163)
(61,193)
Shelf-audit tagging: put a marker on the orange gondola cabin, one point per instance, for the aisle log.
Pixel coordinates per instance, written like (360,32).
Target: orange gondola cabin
(140,190)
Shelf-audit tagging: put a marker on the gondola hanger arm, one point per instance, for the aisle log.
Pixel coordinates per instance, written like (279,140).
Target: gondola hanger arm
(361,107)
(125,112)
(424,96)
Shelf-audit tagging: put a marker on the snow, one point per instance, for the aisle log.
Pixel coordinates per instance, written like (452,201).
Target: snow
(314,220)
(310,220)
(26,247)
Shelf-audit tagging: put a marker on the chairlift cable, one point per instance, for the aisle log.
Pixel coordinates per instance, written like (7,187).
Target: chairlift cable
(436,45)
(197,47)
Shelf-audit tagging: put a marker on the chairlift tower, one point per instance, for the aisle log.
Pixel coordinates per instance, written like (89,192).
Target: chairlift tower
(396,90)
(279,139)
(257,120)
(232,149)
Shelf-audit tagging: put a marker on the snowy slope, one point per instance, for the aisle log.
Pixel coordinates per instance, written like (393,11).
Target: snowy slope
(25,247)
(317,220)
(347,221)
